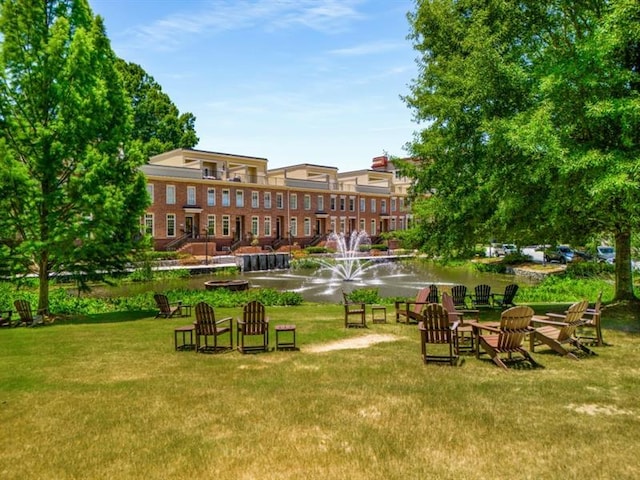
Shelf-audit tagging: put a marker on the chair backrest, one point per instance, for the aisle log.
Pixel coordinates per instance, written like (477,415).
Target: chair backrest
(598,304)
(435,322)
(433,296)
(514,326)
(509,293)
(162,302)
(24,311)
(205,319)
(483,292)
(573,319)
(449,306)
(254,318)
(459,294)
(421,299)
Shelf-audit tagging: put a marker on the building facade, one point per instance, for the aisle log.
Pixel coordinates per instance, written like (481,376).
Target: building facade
(216,201)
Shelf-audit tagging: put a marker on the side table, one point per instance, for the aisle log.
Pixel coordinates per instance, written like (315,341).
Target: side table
(184,345)
(283,344)
(378,314)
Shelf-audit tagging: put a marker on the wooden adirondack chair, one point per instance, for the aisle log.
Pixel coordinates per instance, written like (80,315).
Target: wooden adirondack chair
(434,296)
(410,310)
(166,309)
(592,322)
(505,300)
(482,296)
(26,315)
(355,310)
(459,294)
(561,331)
(436,329)
(207,327)
(515,324)
(465,318)
(254,323)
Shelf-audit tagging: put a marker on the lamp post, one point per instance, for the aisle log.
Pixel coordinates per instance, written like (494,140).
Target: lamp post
(206,246)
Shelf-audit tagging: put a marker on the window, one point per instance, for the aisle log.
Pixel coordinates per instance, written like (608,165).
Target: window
(352,204)
(254,226)
(372,231)
(293,201)
(279,201)
(321,203)
(342,225)
(363,205)
(402,204)
(239,198)
(332,203)
(171,194)
(255,200)
(225,225)
(342,203)
(293,226)
(393,204)
(363,226)
(307,202)
(211,197)
(150,191)
(191,195)
(333,224)
(226,198)
(307,227)
(171,225)
(148,223)
(401,223)
(267,226)
(267,199)
(211,225)
(393,223)
(383,206)
(373,205)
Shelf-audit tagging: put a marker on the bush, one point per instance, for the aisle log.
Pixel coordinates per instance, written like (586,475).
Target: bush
(312,250)
(364,295)
(589,269)
(516,258)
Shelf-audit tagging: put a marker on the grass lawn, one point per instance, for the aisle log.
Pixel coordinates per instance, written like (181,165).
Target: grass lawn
(108,397)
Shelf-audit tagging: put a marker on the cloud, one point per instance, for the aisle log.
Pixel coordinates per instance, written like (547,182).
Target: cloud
(371,48)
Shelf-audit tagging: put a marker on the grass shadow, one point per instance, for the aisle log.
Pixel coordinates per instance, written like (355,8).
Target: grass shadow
(110,317)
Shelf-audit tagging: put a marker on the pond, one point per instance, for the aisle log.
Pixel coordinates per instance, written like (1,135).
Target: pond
(392,279)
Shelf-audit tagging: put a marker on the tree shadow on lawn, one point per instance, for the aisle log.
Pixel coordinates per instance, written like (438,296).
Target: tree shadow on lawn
(110,317)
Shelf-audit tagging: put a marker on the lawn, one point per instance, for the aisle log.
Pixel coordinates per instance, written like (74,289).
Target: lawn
(108,397)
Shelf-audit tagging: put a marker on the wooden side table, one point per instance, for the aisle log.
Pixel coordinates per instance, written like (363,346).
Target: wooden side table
(378,314)
(184,345)
(283,344)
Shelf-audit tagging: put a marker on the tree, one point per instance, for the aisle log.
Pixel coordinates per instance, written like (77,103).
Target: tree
(158,125)
(531,122)
(71,191)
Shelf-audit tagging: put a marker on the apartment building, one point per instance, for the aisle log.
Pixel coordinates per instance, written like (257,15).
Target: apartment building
(219,201)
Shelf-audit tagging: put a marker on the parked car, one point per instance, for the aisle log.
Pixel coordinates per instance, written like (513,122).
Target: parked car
(502,249)
(606,254)
(559,254)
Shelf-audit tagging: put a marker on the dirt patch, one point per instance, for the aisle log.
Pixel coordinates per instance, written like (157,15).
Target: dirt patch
(357,342)
(592,409)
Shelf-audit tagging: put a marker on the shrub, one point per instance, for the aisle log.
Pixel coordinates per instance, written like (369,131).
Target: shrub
(312,250)
(365,295)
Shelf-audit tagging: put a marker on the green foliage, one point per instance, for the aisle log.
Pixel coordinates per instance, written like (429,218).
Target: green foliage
(490,267)
(365,295)
(515,258)
(590,269)
(305,263)
(368,248)
(312,250)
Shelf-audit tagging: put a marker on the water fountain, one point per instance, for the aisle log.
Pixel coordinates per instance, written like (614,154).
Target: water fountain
(349,264)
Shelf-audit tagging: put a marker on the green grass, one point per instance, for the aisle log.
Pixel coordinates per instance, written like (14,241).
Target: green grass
(106,396)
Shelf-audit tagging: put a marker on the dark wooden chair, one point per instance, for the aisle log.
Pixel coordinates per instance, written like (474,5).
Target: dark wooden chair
(434,295)
(166,309)
(254,323)
(466,337)
(459,294)
(207,327)
(481,297)
(354,312)
(561,330)
(410,309)
(505,300)
(592,317)
(515,324)
(27,317)
(5,319)
(436,329)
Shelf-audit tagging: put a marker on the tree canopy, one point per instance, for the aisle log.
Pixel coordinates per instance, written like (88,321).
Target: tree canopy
(71,192)
(157,123)
(530,123)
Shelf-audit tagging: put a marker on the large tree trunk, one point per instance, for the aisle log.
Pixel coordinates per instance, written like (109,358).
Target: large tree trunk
(624,279)
(43,275)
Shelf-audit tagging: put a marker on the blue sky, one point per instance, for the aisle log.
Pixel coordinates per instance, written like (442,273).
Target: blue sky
(295,81)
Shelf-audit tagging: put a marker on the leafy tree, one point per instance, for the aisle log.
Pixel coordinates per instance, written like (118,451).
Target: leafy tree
(530,116)
(71,192)
(158,125)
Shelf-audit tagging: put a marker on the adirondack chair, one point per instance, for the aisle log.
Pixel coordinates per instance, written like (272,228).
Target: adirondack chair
(436,329)
(505,300)
(166,309)
(481,297)
(410,309)
(254,323)
(592,322)
(459,294)
(466,318)
(515,324)
(434,296)
(26,315)
(207,327)
(561,331)
(355,310)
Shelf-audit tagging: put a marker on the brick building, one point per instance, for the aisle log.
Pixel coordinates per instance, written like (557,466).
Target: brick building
(220,201)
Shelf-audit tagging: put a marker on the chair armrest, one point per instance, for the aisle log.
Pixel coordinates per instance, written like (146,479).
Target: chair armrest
(223,320)
(455,325)
(548,322)
(479,326)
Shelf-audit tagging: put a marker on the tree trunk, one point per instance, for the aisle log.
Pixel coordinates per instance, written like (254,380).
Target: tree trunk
(43,275)
(624,279)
